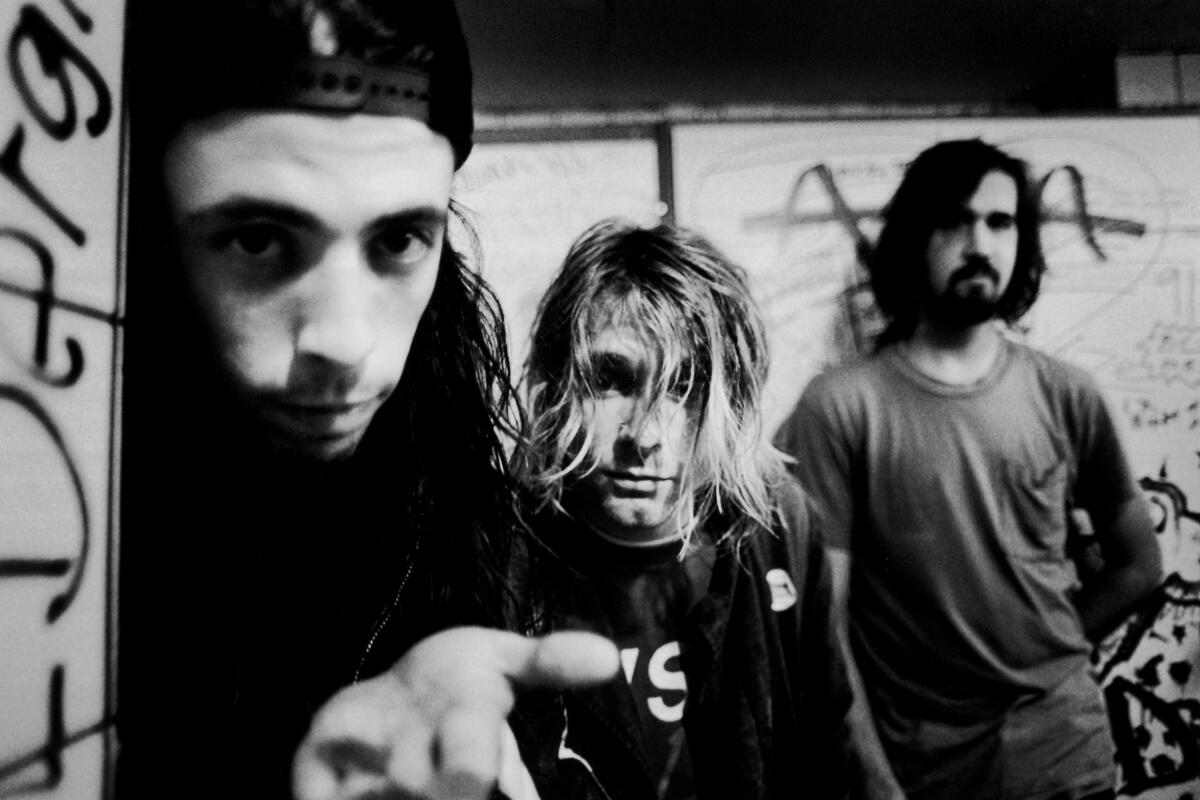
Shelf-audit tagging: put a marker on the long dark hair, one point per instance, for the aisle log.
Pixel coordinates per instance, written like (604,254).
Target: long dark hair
(934,185)
(437,448)
(449,421)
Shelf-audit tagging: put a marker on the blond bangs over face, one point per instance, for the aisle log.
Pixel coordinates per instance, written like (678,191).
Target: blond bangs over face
(704,343)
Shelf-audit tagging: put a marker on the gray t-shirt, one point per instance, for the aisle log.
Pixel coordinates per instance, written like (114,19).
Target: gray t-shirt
(953,502)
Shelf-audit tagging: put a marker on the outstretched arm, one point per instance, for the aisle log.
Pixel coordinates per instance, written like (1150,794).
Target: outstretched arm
(435,724)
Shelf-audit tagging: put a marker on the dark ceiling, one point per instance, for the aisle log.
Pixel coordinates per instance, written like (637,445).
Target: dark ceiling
(603,54)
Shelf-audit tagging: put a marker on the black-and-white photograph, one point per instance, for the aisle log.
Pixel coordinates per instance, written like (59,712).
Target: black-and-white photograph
(479,400)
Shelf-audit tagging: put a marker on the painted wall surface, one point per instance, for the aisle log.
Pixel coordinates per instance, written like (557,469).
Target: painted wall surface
(793,202)
(60,144)
(528,201)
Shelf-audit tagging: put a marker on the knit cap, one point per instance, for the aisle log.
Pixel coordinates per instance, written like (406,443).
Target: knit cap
(189,59)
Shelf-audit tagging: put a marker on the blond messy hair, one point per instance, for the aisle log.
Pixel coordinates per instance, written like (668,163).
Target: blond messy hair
(705,342)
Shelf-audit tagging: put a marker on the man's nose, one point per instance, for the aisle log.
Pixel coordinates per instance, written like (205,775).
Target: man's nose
(642,432)
(979,237)
(333,314)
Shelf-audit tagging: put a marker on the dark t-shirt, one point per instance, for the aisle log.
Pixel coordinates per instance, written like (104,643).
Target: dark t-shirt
(646,593)
(953,502)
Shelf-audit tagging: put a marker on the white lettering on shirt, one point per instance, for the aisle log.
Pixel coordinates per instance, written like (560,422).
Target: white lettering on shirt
(662,676)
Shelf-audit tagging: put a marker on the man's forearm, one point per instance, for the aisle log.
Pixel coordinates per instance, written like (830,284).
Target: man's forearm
(1131,566)
(873,776)
(1106,600)
(875,779)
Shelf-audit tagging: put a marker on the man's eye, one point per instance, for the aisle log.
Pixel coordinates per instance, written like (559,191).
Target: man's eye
(1001,222)
(680,387)
(616,381)
(257,242)
(608,382)
(401,247)
(953,220)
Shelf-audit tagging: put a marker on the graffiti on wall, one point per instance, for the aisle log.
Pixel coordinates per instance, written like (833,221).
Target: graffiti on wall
(799,205)
(528,201)
(1150,668)
(59,188)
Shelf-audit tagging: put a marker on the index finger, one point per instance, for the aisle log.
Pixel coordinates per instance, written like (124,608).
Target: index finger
(562,660)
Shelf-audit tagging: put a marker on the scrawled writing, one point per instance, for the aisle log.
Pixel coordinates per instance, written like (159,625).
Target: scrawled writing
(59,162)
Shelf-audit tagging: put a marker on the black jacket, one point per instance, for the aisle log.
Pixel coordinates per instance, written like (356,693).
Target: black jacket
(768,694)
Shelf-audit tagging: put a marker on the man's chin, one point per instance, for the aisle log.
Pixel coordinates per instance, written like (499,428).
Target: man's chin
(965,310)
(315,451)
(634,522)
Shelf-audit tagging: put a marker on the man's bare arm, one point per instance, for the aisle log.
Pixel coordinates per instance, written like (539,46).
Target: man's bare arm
(1131,566)
(876,781)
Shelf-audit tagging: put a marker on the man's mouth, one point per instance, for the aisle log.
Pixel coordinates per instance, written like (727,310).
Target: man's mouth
(635,481)
(976,270)
(975,282)
(322,420)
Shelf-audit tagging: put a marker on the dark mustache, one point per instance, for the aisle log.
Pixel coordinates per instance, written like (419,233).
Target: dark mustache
(975,267)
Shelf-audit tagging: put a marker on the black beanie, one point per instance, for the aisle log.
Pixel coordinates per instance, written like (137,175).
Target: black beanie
(192,58)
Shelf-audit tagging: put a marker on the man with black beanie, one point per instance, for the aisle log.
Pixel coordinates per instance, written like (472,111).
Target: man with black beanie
(316,383)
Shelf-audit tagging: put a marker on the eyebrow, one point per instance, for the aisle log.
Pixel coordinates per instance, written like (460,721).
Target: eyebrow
(613,358)
(422,215)
(246,209)
(964,213)
(243,209)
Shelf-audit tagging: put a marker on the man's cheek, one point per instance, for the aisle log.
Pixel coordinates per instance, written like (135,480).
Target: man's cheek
(388,364)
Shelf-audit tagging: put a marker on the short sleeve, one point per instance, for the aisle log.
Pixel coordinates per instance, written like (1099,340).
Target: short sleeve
(816,436)
(1104,480)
